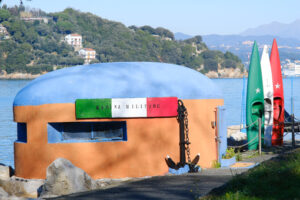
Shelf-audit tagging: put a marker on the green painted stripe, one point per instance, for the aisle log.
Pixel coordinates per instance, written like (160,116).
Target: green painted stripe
(255,100)
(93,108)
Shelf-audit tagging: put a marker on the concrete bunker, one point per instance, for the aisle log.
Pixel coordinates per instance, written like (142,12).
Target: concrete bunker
(131,145)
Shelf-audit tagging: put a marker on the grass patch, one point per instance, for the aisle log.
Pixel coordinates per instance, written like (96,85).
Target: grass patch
(238,156)
(216,164)
(229,153)
(278,178)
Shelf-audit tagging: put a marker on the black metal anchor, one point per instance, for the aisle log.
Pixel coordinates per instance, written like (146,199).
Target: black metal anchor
(183,143)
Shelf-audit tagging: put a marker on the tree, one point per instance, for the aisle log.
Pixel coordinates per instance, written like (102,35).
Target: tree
(210,65)
(64,27)
(231,56)
(43,29)
(197,40)
(208,55)
(4,15)
(229,64)
(164,32)
(148,29)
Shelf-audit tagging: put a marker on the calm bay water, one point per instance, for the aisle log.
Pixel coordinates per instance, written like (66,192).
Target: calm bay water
(232,92)
(8,128)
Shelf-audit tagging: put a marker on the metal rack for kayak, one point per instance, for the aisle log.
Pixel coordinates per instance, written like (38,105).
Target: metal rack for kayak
(292,125)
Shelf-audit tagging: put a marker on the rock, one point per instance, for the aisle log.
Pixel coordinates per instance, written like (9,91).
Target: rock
(239,136)
(3,194)
(19,187)
(17,75)
(64,178)
(226,73)
(212,74)
(5,172)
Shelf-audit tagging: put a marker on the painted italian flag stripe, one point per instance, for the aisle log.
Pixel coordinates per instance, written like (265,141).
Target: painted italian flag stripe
(126,107)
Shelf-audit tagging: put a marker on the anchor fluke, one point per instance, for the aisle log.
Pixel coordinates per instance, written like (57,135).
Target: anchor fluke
(171,163)
(196,159)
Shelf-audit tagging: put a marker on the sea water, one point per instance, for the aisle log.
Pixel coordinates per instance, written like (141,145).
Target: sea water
(231,89)
(8,128)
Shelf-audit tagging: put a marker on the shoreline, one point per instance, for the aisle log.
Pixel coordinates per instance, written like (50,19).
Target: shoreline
(18,76)
(221,73)
(26,76)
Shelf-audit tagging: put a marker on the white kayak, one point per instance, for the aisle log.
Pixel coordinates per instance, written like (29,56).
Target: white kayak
(268,94)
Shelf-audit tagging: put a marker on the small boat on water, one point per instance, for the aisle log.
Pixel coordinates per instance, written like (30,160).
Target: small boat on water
(268,94)
(278,106)
(255,100)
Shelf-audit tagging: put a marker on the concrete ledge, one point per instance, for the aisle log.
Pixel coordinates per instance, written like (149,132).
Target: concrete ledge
(228,162)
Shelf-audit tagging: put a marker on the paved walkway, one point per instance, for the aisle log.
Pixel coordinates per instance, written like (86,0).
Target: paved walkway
(162,187)
(176,187)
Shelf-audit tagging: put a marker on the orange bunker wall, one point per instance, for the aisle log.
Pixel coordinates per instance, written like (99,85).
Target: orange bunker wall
(50,99)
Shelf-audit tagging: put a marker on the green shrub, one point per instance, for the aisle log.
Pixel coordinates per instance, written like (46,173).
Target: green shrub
(229,153)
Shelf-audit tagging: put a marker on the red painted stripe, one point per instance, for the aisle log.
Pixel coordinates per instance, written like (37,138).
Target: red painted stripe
(278,107)
(162,107)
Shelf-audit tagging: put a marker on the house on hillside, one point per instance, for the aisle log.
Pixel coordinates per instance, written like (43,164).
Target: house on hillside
(75,40)
(29,17)
(88,54)
(32,19)
(3,32)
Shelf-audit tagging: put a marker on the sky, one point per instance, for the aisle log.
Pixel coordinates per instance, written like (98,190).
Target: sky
(193,17)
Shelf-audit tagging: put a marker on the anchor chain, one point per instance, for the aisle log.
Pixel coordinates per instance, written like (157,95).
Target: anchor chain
(183,115)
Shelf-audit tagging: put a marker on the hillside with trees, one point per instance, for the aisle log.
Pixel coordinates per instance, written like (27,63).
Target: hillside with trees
(35,47)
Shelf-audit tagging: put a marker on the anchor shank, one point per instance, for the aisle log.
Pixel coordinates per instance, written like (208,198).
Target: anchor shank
(182,142)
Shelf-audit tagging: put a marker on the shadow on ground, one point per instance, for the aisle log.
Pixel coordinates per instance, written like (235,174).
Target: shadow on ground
(179,187)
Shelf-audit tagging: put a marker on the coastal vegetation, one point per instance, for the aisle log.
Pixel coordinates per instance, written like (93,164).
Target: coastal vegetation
(35,46)
(278,178)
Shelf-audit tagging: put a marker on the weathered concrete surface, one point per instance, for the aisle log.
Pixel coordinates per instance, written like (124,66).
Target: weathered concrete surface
(18,187)
(3,194)
(12,187)
(5,172)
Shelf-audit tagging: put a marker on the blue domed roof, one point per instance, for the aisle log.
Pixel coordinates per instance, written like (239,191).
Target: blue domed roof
(117,80)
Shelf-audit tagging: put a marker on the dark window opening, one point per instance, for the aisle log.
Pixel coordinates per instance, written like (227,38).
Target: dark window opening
(22,132)
(87,132)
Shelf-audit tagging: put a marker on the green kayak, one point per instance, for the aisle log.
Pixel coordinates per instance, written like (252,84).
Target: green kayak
(255,100)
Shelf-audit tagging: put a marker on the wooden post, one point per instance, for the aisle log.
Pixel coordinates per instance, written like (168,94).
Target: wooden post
(293,131)
(259,136)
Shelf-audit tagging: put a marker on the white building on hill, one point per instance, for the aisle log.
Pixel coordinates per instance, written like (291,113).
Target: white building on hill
(3,29)
(88,54)
(3,33)
(74,40)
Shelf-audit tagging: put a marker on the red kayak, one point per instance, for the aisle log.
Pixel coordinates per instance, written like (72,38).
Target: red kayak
(278,107)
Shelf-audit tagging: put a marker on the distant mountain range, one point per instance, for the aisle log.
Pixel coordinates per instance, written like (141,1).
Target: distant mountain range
(291,30)
(287,36)
(289,48)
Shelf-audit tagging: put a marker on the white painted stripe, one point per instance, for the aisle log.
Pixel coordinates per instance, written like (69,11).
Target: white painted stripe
(268,94)
(129,107)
